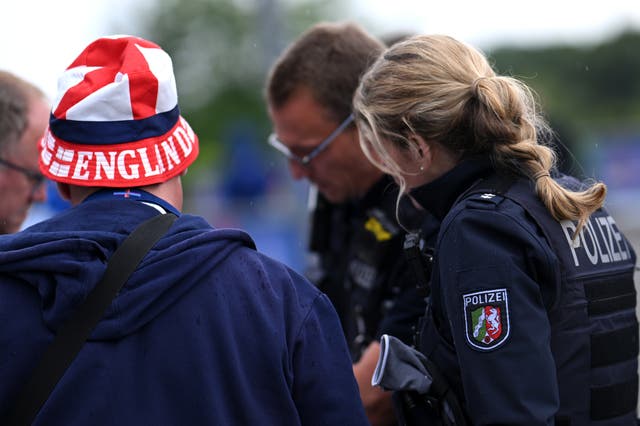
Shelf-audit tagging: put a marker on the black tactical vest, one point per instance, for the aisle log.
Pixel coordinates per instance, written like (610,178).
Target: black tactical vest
(593,320)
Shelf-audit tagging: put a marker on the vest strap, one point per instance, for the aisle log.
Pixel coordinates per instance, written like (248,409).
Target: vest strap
(609,297)
(614,346)
(614,400)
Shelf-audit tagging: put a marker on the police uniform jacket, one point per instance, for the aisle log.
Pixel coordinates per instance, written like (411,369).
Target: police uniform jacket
(207,331)
(362,267)
(529,325)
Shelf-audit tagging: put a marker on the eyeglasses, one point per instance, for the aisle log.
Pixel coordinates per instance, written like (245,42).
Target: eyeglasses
(305,160)
(35,178)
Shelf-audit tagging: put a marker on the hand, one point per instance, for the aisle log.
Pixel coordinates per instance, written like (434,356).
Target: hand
(377,403)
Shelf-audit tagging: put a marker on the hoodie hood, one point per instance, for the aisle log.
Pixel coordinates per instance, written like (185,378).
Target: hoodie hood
(63,258)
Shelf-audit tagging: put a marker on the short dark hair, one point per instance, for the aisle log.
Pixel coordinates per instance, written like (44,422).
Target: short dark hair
(328,59)
(16,96)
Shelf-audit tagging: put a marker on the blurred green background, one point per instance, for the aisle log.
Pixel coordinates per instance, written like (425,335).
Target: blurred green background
(222,50)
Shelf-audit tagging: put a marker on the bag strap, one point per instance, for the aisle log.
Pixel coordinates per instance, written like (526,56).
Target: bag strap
(71,337)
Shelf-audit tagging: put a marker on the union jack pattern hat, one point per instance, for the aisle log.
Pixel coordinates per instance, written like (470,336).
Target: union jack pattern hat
(115,121)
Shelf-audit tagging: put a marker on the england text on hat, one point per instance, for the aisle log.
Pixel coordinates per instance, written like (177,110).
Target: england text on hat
(125,162)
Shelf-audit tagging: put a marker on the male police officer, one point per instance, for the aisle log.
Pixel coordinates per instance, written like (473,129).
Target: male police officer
(354,230)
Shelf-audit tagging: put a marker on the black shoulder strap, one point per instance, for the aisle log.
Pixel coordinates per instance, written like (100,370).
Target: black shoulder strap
(70,338)
(497,184)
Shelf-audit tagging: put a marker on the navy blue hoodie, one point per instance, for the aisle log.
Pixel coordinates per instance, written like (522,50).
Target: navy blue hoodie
(207,331)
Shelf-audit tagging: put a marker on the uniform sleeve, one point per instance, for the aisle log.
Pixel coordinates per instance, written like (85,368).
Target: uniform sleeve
(487,261)
(325,389)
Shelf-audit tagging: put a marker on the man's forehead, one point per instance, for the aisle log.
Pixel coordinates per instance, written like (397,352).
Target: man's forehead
(302,105)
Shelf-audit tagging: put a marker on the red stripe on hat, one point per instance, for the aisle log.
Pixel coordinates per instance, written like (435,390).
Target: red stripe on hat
(122,57)
(93,81)
(143,87)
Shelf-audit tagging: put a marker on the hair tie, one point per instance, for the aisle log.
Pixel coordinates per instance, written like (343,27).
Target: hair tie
(541,174)
(476,83)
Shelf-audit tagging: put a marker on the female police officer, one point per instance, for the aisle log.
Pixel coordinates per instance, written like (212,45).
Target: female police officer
(532,317)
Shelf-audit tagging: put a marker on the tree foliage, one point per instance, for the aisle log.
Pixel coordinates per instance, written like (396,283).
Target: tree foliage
(589,94)
(221,51)
(588,87)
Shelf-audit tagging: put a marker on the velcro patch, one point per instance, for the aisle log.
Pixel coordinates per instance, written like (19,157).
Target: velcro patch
(376,228)
(486,315)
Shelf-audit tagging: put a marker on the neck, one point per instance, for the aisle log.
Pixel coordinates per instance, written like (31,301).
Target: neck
(368,180)
(170,191)
(438,162)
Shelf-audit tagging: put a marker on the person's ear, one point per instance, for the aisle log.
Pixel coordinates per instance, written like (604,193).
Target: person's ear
(425,152)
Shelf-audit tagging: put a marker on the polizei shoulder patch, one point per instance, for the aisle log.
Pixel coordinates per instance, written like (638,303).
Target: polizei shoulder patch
(486,315)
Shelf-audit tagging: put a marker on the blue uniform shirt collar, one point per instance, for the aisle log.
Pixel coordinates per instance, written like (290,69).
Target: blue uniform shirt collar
(132,194)
(439,195)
